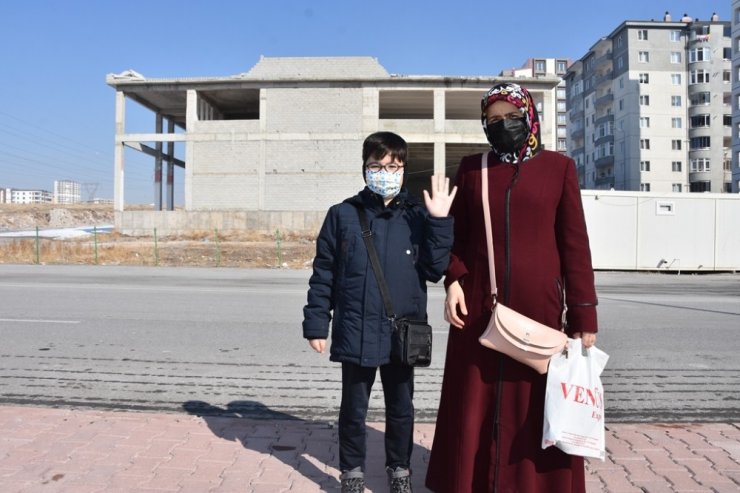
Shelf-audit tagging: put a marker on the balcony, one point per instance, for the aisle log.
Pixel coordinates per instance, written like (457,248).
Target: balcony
(606,57)
(603,119)
(604,100)
(601,79)
(603,162)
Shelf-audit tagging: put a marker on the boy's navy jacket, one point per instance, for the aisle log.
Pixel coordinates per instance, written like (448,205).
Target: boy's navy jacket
(413,248)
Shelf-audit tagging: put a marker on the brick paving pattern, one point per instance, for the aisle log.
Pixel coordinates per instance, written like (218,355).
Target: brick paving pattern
(81,451)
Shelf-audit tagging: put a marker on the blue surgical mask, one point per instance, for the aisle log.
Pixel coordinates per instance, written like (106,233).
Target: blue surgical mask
(385,184)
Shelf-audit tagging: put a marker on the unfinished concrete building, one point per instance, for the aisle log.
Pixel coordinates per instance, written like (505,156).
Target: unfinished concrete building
(274,147)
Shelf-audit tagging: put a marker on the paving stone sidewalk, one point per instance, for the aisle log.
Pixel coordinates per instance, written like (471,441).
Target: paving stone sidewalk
(80,451)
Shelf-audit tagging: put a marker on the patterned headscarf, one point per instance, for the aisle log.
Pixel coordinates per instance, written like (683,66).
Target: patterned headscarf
(519,97)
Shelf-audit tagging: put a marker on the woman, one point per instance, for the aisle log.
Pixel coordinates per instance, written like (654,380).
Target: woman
(489,426)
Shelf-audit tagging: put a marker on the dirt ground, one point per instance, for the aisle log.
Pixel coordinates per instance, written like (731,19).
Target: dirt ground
(202,249)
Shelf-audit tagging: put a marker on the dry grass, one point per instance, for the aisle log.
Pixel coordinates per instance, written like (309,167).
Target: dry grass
(115,249)
(196,248)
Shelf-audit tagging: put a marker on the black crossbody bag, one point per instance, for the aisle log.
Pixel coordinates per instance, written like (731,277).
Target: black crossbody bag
(411,340)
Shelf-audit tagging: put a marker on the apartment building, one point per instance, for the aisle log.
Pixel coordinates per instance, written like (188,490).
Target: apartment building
(275,146)
(650,110)
(17,196)
(736,96)
(66,192)
(549,67)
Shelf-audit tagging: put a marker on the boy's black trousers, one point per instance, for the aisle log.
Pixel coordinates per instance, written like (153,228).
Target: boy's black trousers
(398,391)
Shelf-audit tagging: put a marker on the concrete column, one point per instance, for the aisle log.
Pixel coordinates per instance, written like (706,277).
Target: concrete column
(158,164)
(370,110)
(440,111)
(263,151)
(118,154)
(171,167)
(191,117)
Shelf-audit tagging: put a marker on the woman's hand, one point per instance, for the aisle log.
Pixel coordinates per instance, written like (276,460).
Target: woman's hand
(455,298)
(588,339)
(440,201)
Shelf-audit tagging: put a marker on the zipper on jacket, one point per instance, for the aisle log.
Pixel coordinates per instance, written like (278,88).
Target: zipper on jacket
(507,285)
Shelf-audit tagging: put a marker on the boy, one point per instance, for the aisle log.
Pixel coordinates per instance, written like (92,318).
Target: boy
(413,245)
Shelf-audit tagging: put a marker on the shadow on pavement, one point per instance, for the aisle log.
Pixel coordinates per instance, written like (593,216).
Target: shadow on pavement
(312,454)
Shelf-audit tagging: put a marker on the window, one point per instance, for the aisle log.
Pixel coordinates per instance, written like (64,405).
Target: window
(621,82)
(644,187)
(644,165)
(561,66)
(539,66)
(621,104)
(675,35)
(700,54)
(698,121)
(644,78)
(726,76)
(644,122)
(700,165)
(676,187)
(701,98)
(675,57)
(642,34)
(676,122)
(561,145)
(644,100)
(644,143)
(676,145)
(560,93)
(560,105)
(619,41)
(727,53)
(727,120)
(675,100)
(700,143)
(620,62)
(700,76)
(676,79)
(562,119)
(643,57)
(676,166)
(701,186)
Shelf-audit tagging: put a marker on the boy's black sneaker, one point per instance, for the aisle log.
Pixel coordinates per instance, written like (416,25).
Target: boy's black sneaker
(353,481)
(399,480)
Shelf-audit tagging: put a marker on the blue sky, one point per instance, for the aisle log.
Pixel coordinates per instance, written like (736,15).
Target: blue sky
(57,113)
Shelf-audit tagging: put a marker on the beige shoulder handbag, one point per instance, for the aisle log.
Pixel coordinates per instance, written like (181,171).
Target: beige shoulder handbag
(508,331)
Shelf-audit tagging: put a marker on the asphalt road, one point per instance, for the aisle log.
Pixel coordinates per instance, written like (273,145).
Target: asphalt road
(208,339)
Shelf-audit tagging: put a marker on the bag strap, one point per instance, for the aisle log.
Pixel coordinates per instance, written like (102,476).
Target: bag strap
(367,236)
(489,240)
(487,220)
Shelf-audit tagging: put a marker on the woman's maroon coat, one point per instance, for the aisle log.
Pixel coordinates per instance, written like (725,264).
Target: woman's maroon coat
(547,251)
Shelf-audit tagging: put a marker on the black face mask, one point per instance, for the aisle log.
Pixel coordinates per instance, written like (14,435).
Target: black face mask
(508,135)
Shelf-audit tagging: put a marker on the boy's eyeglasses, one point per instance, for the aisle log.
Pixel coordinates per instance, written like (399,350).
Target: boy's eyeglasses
(390,168)
(514,115)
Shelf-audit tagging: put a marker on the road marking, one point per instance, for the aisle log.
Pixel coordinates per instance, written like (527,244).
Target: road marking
(39,321)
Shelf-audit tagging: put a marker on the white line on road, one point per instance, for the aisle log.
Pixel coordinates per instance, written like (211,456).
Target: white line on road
(39,321)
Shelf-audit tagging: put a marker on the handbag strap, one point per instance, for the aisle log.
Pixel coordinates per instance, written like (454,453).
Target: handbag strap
(367,236)
(487,220)
(489,240)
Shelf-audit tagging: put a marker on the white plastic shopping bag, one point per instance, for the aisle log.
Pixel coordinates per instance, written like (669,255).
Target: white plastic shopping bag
(574,401)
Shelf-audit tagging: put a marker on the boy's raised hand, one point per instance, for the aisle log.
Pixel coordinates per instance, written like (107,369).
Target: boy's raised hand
(438,204)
